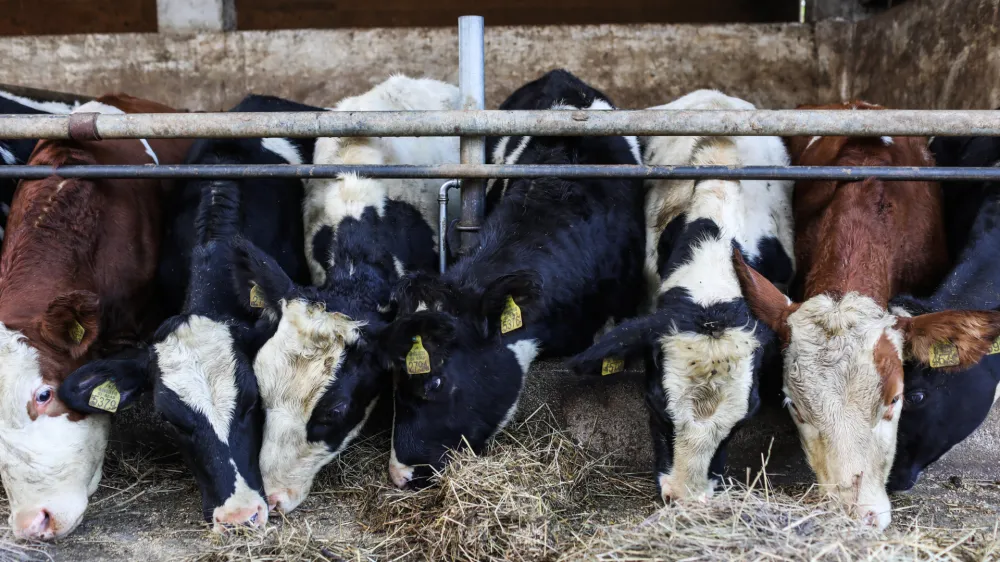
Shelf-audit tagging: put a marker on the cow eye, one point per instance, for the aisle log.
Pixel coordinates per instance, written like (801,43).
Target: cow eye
(43,395)
(433,384)
(915,398)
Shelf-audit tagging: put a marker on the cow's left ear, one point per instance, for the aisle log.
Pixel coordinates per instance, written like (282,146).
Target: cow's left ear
(107,385)
(952,339)
(260,282)
(523,287)
(71,322)
(436,331)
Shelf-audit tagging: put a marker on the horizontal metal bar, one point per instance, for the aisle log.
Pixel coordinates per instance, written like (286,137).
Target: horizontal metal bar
(489,122)
(503,171)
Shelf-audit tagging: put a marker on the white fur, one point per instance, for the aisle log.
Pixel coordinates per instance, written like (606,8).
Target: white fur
(708,379)
(49,462)
(7,155)
(328,201)
(197,363)
(54,107)
(831,378)
(283,148)
(294,368)
(525,351)
(887,141)
(400,270)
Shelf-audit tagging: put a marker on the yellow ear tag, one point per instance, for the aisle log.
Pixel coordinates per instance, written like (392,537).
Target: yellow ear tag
(418,361)
(510,318)
(76,332)
(105,397)
(944,354)
(256,297)
(612,366)
(995,348)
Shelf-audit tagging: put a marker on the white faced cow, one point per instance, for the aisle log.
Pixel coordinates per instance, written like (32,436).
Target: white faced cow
(320,375)
(705,350)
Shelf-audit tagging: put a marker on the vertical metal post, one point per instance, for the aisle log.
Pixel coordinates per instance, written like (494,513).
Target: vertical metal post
(472,84)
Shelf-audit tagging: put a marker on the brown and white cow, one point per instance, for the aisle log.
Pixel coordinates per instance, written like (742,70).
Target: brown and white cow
(857,244)
(75,281)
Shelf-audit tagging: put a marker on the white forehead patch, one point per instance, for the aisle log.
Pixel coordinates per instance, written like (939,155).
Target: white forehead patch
(197,363)
(525,352)
(283,148)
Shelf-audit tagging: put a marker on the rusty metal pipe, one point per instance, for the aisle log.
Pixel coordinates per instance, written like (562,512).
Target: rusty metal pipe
(490,122)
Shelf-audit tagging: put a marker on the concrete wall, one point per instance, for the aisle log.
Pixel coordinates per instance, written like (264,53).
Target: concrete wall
(638,66)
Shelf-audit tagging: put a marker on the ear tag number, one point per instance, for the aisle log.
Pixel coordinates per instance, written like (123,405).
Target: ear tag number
(510,318)
(105,397)
(944,354)
(256,297)
(418,361)
(612,366)
(995,348)
(76,332)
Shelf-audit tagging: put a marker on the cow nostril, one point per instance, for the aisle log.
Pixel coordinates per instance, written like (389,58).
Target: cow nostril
(42,523)
(870,518)
(253,518)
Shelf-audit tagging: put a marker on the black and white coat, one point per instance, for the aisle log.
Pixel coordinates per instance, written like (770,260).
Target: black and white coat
(704,348)
(566,252)
(320,376)
(199,363)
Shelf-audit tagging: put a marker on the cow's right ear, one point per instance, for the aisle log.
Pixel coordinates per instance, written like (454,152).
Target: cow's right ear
(767,303)
(107,385)
(260,282)
(436,331)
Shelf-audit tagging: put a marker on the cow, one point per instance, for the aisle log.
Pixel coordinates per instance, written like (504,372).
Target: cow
(320,375)
(940,408)
(703,349)
(17,151)
(556,259)
(76,278)
(857,245)
(199,363)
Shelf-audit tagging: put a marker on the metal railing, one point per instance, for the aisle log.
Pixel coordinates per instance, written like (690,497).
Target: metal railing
(473,123)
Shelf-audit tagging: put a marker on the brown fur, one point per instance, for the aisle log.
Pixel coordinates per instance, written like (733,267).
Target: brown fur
(84,250)
(890,368)
(973,332)
(767,303)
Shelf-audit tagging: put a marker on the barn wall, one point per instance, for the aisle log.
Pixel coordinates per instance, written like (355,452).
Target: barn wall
(931,54)
(773,65)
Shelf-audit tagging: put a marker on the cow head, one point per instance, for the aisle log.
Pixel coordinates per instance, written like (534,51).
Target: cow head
(707,363)
(468,387)
(940,409)
(200,367)
(319,375)
(843,378)
(50,456)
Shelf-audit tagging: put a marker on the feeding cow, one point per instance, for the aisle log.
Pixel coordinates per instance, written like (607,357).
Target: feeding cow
(858,244)
(321,375)
(200,361)
(76,276)
(704,349)
(942,408)
(555,260)
(17,151)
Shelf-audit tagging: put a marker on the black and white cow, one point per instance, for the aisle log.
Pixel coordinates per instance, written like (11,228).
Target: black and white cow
(704,349)
(17,151)
(556,260)
(320,375)
(200,361)
(941,408)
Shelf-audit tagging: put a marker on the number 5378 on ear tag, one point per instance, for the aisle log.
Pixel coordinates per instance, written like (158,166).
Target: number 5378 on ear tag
(510,318)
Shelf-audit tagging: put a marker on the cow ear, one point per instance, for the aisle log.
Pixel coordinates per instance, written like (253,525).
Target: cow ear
(952,339)
(107,385)
(420,291)
(767,303)
(435,330)
(260,282)
(523,287)
(71,322)
(815,151)
(622,342)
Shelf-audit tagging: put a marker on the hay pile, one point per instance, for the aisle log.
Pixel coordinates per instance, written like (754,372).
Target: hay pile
(535,496)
